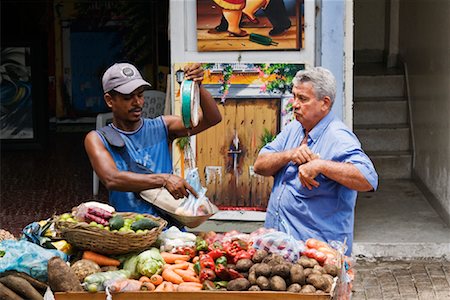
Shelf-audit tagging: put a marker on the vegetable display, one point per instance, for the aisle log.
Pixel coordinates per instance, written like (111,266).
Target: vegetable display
(184,262)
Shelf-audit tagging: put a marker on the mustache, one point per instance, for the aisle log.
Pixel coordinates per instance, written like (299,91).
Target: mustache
(135,109)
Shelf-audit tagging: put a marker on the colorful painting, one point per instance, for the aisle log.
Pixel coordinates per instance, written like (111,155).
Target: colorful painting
(237,25)
(16,98)
(255,102)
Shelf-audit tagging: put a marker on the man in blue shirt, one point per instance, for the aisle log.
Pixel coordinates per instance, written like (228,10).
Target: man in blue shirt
(147,141)
(318,165)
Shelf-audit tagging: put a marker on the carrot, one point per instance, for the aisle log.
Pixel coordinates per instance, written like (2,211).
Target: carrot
(100,259)
(189,287)
(161,287)
(169,287)
(170,275)
(170,258)
(148,286)
(156,279)
(144,279)
(183,266)
(186,275)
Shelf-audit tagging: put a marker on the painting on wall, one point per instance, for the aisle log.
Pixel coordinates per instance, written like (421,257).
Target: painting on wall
(255,102)
(20,113)
(237,25)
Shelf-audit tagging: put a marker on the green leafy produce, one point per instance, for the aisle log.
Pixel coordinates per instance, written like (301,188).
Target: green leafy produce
(150,262)
(130,264)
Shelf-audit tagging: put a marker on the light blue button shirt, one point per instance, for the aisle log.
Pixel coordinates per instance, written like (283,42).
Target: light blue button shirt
(325,212)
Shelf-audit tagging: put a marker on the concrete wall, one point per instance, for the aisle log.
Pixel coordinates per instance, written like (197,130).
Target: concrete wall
(424,46)
(370,26)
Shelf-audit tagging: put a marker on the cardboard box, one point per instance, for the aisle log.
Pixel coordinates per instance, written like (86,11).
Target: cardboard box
(210,295)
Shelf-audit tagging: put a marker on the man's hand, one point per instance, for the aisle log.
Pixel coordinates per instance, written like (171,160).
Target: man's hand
(194,72)
(308,171)
(179,187)
(302,154)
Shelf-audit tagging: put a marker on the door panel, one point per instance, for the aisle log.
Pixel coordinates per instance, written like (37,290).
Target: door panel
(226,170)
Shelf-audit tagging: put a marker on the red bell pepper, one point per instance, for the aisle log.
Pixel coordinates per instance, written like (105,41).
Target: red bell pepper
(234,274)
(207,274)
(242,254)
(222,272)
(206,262)
(216,253)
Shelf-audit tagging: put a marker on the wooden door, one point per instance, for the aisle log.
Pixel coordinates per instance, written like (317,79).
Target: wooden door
(226,153)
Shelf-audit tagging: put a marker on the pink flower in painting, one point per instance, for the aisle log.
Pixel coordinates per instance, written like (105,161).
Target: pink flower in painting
(263,88)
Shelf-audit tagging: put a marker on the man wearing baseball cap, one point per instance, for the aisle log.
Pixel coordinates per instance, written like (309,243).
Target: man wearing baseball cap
(132,153)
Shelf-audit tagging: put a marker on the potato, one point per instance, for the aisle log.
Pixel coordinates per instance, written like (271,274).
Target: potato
(329,278)
(274,259)
(297,274)
(307,262)
(60,277)
(84,268)
(238,284)
(252,277)
(294,288)
(308,289)
(282,270)
(254,288)
(263,270)
(263,283)
(243,265)
(277,283)
(259,255)
(319,268)
(319,282)
(331,269)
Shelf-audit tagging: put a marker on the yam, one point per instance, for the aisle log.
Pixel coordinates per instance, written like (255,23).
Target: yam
(238,284)
(84,268)
(243,265)
(61,278)
(7,294)
(38,285)
(282,270)
(259,255)
(21,287)
(294,288)
(297,274)
(277,283)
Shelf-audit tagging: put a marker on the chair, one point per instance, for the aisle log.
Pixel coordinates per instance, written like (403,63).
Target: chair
(154,104)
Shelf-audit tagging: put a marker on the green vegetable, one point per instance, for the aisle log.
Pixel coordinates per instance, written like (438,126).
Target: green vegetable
(2,253)
(201,244)
(221,261)
(144,223)
(130,264)
(150,262)
(197,267)
(97,281)
(116,222)
(221,284)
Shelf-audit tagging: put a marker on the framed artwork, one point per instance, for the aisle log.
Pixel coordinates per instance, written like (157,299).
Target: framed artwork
(240,25)
(255,102)
(22,101)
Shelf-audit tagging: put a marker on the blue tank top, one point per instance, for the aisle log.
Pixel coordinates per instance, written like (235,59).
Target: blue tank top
(148,146)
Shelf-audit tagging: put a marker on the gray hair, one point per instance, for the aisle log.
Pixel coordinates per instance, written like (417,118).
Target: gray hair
(322,80)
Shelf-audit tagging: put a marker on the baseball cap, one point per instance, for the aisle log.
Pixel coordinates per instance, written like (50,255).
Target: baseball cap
(123,78)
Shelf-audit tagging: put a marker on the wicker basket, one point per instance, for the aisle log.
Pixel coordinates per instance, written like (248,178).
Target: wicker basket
(86,237)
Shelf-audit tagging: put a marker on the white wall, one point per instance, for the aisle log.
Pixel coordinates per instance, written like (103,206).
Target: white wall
(425,47)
